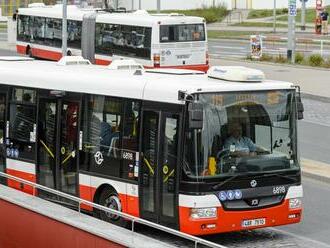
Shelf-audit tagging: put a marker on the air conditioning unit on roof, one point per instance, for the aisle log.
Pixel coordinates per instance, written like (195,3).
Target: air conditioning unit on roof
(73,60)
(236,74)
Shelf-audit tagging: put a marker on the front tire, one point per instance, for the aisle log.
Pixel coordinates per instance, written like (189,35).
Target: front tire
(110,199)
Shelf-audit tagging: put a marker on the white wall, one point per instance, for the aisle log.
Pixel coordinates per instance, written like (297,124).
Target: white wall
(173,4)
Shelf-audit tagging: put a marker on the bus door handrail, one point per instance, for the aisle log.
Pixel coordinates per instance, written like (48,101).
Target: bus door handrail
(132,218)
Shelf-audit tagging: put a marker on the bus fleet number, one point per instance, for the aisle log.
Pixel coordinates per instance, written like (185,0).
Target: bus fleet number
(278,190)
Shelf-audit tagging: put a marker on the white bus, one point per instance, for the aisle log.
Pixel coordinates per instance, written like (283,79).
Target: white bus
(153,143)
(155,41)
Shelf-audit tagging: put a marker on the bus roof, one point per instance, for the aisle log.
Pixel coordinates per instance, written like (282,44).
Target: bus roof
(138,18)
(100,80)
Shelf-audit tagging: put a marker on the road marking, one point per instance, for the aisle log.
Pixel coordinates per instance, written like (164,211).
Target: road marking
(317,123)
(300,237)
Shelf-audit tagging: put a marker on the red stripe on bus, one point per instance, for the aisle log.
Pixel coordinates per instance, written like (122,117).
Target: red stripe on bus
(46,54)
(229,221)
(21,49)
(102,62)
(23,175)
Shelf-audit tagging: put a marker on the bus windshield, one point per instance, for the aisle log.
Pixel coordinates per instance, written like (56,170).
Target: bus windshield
(182,33)
(243,133)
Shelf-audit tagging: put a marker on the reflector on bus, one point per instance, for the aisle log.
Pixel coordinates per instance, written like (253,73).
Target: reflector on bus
(236,73)
(73,60)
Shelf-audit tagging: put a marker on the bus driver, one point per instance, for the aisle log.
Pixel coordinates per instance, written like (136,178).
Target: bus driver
(239,145)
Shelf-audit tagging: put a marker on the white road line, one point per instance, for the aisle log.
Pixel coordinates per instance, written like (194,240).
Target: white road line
(317,123)
(319,243)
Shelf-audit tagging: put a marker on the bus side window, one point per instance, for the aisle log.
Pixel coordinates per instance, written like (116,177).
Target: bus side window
(22,124)
(102,134)
(130,137)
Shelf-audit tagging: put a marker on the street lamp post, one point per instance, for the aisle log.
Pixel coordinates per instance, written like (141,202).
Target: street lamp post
(274,16)
(64,28)
(303,14)
(158,6)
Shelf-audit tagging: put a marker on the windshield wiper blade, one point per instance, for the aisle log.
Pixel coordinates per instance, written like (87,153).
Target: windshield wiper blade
(217,186)
(280,176)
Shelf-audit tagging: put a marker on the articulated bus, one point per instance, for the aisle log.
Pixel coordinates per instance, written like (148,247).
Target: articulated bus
(153,40)
(153,143)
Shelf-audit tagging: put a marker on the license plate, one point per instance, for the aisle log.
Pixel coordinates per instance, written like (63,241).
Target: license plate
(254,222)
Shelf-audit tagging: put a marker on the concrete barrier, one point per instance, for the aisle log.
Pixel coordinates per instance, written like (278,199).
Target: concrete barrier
(31,222)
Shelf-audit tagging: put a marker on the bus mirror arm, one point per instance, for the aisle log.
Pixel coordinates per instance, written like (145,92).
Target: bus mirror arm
(300,105)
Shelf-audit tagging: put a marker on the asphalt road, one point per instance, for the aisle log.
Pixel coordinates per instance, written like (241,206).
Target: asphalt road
(314,136)
(241,48)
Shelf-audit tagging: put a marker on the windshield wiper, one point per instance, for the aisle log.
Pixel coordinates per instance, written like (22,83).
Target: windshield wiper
(281,176)
(260,175)
(217,186)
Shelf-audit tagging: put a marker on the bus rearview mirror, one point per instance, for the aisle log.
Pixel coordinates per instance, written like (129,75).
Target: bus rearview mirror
(195,112)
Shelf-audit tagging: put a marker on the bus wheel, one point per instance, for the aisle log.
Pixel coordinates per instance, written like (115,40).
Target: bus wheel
(110,199)
(69,53)
(29,52)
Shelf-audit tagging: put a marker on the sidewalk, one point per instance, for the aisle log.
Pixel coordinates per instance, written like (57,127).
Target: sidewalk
(309,33)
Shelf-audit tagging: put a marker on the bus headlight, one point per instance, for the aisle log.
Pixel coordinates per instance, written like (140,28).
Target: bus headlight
(201,213)
(295,203)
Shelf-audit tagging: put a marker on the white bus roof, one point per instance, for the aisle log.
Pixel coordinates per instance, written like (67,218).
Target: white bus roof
(92,79)
(138,18)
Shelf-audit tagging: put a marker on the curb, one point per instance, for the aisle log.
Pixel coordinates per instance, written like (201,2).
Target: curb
(315,170)
(316,98)
(317,177)
(275,64)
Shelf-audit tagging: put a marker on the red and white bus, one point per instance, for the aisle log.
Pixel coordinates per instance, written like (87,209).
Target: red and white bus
(153,40)
(153,144)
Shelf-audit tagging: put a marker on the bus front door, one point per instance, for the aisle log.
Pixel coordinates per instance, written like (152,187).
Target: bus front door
(3,101)
(158,172)
(58,121)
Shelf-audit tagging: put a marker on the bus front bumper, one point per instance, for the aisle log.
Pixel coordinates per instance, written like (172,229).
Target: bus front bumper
(229,221)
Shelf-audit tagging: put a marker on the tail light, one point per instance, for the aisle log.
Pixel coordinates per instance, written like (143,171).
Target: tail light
(207,57)
(156,60)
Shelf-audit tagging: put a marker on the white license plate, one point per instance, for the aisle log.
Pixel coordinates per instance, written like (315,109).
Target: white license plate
(254,222)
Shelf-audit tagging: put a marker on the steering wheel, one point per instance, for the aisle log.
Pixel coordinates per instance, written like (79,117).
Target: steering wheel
(222,154)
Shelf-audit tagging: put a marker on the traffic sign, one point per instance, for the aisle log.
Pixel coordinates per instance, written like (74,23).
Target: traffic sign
(292,8)
(318,4)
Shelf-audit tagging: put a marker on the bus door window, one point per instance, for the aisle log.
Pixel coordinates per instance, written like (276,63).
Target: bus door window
(2,133)
(47,142)
(168,169)
(149,156)
(68,148)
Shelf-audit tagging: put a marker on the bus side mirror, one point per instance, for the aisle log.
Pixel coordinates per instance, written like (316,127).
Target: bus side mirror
(300,108)
(195,112)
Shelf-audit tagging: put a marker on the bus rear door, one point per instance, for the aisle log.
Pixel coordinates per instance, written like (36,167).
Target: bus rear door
(159,165)
(58,123)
